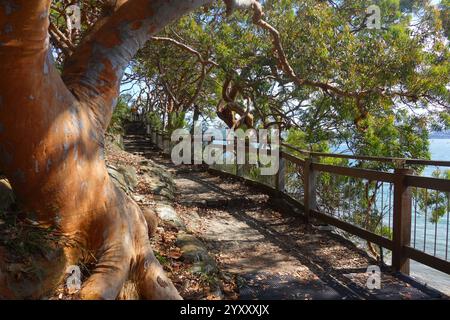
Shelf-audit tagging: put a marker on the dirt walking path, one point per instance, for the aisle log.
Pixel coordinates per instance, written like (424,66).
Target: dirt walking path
(271,252)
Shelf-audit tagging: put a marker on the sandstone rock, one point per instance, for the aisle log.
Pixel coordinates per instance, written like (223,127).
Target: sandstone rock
(130,176)
(166,193)
(161,185)
(155,172)
(195,252)
(193,249)
(205,267)
(114,139)
(117,177)
(167,213)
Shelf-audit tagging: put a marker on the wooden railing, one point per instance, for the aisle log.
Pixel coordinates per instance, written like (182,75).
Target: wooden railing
(335,195)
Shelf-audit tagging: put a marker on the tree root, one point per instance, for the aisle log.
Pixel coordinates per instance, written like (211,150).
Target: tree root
(127,259)
(125,268)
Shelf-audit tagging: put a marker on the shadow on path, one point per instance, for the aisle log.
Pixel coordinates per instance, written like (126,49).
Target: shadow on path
(273,254)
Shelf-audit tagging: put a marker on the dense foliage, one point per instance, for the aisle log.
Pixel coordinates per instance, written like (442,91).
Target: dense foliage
(378,91)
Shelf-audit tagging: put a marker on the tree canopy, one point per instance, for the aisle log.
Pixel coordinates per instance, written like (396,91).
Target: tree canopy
(310,66)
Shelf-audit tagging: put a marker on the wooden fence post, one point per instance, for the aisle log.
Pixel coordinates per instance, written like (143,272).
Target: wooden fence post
(235,148)
(309,183)
(281,174)
(166,144)
(240,168)
(161,140)
(401,221)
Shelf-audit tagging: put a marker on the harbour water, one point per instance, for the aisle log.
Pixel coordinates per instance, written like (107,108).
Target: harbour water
(440,150)
(432,238)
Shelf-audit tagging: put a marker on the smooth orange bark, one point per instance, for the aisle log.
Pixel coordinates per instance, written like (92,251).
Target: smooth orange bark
(52,139)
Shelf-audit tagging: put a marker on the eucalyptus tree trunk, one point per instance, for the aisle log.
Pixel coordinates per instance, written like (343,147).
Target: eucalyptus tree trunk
(52,129)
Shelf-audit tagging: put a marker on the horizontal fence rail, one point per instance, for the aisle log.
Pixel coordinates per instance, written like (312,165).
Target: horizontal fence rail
(404,161)
(406,214)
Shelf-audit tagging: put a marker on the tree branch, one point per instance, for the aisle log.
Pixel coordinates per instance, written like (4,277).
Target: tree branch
(297,79)
(94,71)
(62,42)
(187,48)
(204,65)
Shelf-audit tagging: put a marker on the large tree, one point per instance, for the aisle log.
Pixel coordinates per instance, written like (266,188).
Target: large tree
(52,127)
